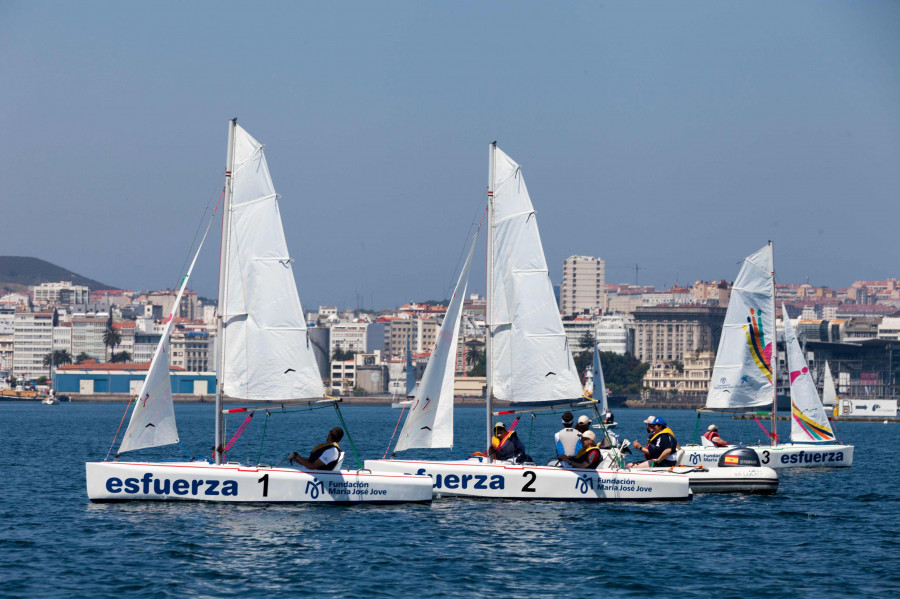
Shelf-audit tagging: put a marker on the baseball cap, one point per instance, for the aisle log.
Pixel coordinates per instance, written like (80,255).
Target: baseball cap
(712,427)
(649,419)
(588,435)
(659,421)
(584,419)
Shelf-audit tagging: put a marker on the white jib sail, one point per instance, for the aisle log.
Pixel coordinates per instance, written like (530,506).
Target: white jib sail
(742,375)
(267,354)
(829,393)
(430,420)
(152,421)
(808,419)
(530,358)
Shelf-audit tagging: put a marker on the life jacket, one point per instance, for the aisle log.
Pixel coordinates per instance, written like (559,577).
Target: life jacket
(671,456)
(594,459)
(317,452)
(714,438)
(497,443)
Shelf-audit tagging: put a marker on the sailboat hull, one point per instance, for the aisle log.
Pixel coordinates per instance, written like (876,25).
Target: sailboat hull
(497,480)
(797,455)
(232,483)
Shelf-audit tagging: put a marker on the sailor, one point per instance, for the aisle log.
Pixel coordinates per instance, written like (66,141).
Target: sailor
(506,446)
(608,417)
(324,456)
(661,446)
(712,435)
(584,423)
(589,455)
(567,439)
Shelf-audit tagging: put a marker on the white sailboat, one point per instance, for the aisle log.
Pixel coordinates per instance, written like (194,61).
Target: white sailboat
(599,392)
(264,355)
(744,375)
(829,392)
(528,364)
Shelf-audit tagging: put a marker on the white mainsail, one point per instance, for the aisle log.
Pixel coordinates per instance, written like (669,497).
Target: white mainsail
(530,358)
(152,421)
(742,375)
(267,353)
(808,419)
(430,420)
(829,393)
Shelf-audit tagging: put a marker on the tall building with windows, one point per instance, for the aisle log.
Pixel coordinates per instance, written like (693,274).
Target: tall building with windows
(583,286)
(666,333)
(32,340)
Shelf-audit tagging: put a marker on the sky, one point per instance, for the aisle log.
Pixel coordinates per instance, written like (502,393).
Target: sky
(677,136)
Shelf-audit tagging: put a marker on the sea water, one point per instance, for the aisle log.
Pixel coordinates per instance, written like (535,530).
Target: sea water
(826,533)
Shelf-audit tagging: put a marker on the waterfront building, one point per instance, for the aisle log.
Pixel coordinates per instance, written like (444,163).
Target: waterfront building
(32,340)
(575,329)
(348,336)
(716,293)
(669,297)
(95,378)
(87,336)
(889,328)
(583,288)
(688,378)
(190,349)
(62,293)
(364,371)
(421,332)
(615,333)
(666,333)
(624,299)
(188,308)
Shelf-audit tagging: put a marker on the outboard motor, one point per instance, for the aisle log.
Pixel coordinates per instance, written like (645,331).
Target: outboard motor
(739,456)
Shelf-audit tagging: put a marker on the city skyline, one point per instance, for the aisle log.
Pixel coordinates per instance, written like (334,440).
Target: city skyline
(679,138)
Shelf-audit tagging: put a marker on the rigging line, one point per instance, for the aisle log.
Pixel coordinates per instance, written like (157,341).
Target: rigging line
(402,409)
(462,251)
(200,225)
(109,451)
(261,441)
(349,438)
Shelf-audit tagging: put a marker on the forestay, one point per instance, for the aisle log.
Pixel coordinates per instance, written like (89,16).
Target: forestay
(742,375)
(430,421)
(808,419)
(530,358)
(267,353)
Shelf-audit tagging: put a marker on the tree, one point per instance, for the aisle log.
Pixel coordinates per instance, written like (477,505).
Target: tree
(111,338)
(340,355)
(475,358)
(83,357)
(587,341)
(120,357)
(58,357)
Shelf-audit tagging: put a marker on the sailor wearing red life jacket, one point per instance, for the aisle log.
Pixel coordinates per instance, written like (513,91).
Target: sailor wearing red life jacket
(712,435)
(589,455)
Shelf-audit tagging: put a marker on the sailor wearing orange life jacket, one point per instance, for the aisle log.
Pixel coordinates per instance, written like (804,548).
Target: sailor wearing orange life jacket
(712,435)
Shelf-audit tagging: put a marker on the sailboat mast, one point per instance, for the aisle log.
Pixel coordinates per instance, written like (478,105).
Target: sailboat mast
(774,439)
(223,277)
(489,331)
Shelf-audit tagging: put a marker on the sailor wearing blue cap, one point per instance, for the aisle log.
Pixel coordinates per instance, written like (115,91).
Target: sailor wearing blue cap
(659,452)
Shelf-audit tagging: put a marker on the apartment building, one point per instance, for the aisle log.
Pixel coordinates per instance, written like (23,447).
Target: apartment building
(348,336)
(583,288)
(421,333)
(62,293)
(32,340)
(666,333)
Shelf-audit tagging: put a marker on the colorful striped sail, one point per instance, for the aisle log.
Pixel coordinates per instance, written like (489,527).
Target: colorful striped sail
(809,422)
(742,376)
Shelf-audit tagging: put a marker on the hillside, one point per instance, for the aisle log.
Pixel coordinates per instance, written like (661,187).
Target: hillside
(19,272)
